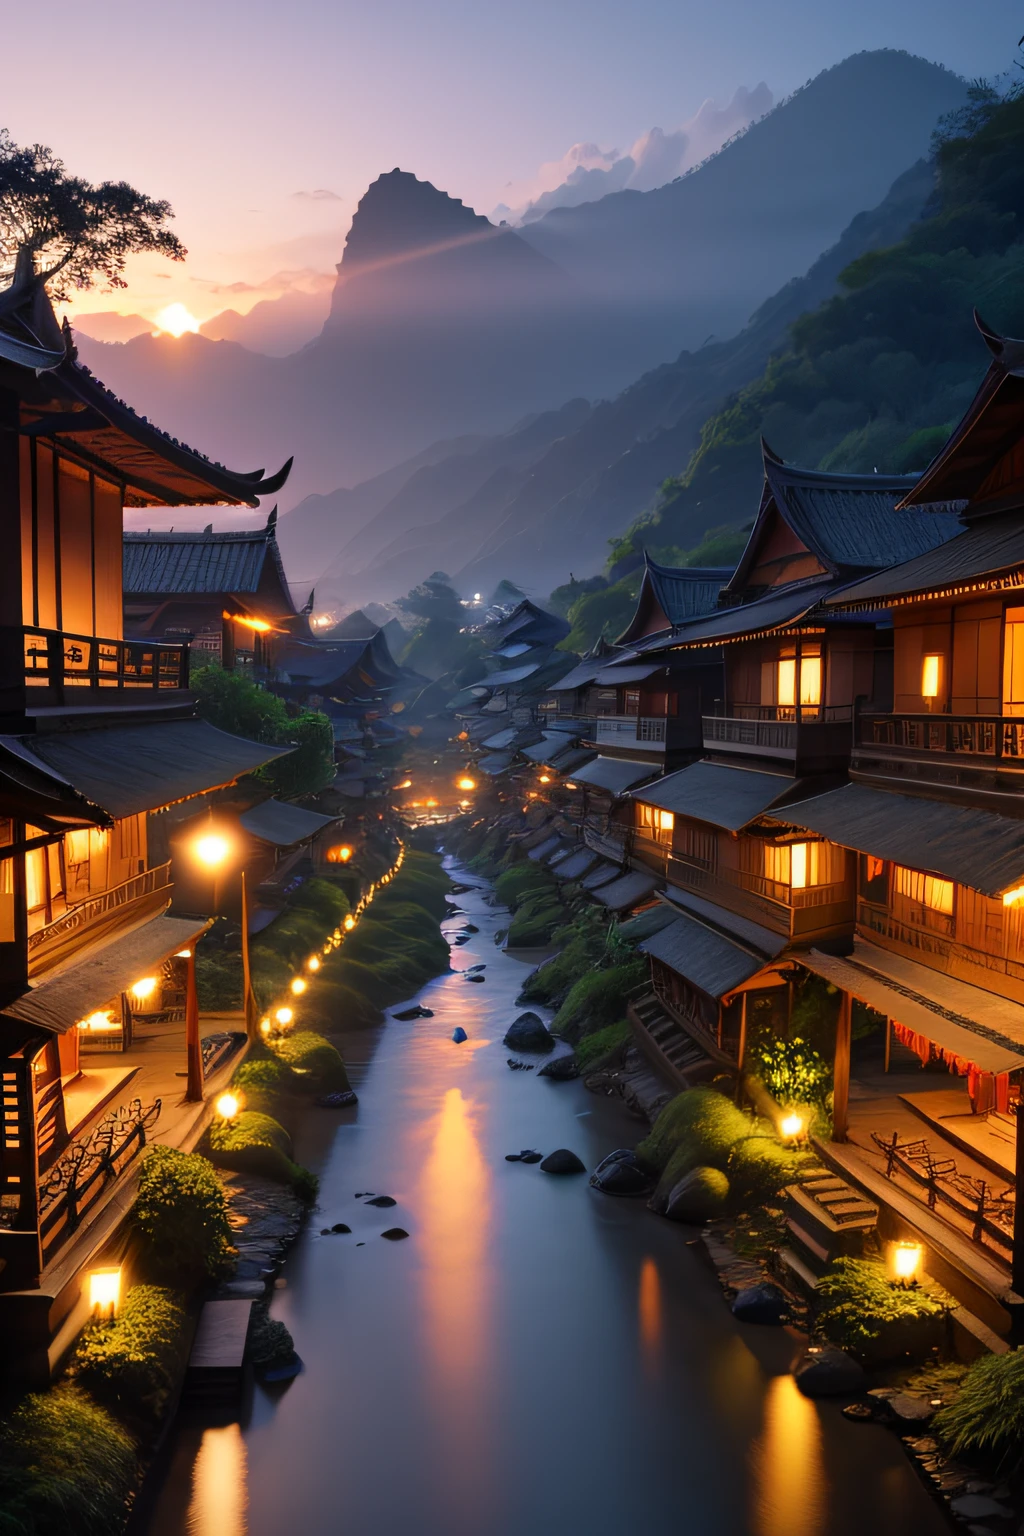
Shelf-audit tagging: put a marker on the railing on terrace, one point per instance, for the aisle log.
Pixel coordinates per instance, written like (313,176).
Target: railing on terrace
(775,730)
(935,936)
(657,731)
(81,1173)
(771,902)
(52,666)
(95,910)
(992,737)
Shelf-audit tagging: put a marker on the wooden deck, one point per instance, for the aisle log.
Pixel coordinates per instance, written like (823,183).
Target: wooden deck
(217,1360)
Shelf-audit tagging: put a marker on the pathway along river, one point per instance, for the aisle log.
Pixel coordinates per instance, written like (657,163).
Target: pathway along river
(537,1358)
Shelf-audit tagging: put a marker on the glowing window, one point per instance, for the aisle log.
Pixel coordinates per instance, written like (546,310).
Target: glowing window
(927,890)
(787,682)
(810,680)
(931,669)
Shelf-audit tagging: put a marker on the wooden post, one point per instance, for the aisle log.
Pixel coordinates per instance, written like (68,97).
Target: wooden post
(888,1042)
(193,1050)
(1017,1265)
(841,1075)
(248,1000)
(741,1049)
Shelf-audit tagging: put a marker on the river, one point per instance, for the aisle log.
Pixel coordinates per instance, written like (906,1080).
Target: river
(536,1358)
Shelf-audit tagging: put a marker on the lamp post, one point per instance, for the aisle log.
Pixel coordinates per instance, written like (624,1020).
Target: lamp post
(213,851)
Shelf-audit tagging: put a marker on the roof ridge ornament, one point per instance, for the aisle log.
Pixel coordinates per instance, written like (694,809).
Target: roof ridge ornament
(992,339)
(768,453)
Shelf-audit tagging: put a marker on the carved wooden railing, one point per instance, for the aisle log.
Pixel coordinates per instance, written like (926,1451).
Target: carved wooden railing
(56,667)
(83,1170)
(992,737)
(96,911)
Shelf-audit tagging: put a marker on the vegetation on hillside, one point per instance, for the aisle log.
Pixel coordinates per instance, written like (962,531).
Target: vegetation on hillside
(873,378)
(236,704)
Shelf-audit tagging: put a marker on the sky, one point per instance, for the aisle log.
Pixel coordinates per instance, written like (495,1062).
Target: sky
(263,124)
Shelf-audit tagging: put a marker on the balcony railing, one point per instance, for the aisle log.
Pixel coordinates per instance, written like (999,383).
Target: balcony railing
(97,915)
(778,906)
(657,733)
(993,739)
(813,735)
(52,666)
(928,939)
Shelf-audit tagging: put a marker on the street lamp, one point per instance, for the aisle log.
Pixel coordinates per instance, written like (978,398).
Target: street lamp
(227,1106)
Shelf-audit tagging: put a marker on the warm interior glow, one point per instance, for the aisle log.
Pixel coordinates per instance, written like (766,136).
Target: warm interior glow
(298,985)
(798,866)
(930,668)
(339,855)
(466,783)
(927,890)
(567,785)
(227,1106)
(105,1290)
(810,680)
(405,784)
(176,320)
(905,1262)
(545,778)
(102,1019)
(144,988)
(787,682)
(1014,898)
(284,1015)
(211,849)
(182,954)
(792,1126)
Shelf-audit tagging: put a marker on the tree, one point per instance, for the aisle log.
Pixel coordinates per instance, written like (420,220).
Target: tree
(79,234)
(235,704)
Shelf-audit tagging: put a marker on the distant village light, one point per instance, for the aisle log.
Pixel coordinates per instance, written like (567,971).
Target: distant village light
(298,985)
(464,783)
(349,923)
(313,962)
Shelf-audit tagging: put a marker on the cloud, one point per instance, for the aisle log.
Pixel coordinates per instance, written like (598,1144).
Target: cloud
(294,280)
(318,195)
(586,172)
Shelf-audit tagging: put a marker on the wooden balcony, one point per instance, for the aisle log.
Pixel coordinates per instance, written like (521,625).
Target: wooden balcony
(48,668)
(648,735)
(98,917)
(810,914)
(811,739)
(981,750)
(934,941)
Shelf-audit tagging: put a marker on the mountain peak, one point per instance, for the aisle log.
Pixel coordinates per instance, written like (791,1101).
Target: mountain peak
(398,214)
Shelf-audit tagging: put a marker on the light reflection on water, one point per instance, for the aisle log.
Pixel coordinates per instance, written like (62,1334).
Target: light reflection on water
(789,1487)
(220,1496)
(649,1315)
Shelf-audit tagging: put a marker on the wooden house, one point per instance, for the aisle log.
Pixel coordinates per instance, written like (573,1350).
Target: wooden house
(99,737)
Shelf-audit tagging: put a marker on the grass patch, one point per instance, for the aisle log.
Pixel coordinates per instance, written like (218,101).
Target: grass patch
(181,1217)
(521,882)
(536,920)
(861,1312)
(132,1364)
(597,999)
(986,1419)
(583,944)
(314,1059)
(702,1121)
(253,1142)
(594,1048)
(67,1467)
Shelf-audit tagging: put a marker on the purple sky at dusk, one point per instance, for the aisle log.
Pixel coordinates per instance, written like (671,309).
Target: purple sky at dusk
(230,109)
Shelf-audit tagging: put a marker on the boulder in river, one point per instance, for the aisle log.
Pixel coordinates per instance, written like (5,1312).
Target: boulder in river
(513,1157)
(382,1200)
(480,966)
(529,1033)
(621,1174)
(519,1066)
(829,1372)
(419,1012)
(561,1161)
(341,1226)
(561,1068)
(395,1234)
(459,1034)
(762,1303)
(475,978)
(530,1157)
(699,1196)
(342,1099)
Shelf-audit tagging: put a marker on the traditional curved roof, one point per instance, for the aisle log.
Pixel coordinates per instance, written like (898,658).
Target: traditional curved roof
(680,593)
(61,400)
(849,523)
(983,460)
(176,564)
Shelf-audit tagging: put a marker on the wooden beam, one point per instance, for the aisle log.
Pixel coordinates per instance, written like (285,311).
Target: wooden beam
(248,999)
(841,1075)
(193,1049)
(1017,1270)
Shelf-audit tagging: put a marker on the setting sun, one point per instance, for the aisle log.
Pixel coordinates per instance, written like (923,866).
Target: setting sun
(175,320)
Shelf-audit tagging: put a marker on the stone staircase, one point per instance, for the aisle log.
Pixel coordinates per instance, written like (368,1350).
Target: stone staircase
(665,1041)
(826,1218)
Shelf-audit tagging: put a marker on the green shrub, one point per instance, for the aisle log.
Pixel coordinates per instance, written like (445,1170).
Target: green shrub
(793,1073)
(599,998)
(759,1167)
(986,1419)
(219,979)
(700,1123)
(249,1128)
(132,1364)
(315,1058)
(270,1344)
(861,1312)
(522,881)
(594,1048)
(262,1080)
(181,1217)
(583,946)
(66,1466)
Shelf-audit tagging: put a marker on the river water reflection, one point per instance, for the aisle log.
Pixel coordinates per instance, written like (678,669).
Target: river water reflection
(537,1358)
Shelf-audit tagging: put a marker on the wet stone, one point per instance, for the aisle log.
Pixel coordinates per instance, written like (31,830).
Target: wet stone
(978,1506)
(341,1226)
(395,1234)
(382,1201)
(561,1161)
(513,1157)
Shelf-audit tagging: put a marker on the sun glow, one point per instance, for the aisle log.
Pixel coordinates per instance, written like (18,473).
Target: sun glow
(176,320)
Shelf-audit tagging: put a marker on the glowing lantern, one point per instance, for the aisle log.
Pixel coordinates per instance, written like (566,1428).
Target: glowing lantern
(105,1291)
(545,778)
(298,985)
(211,849)
(904,1263)
(313,962)
(227,1106)
(264,1026)
(144,988)
(465,783)
(102,1019)
(350,923)
(792,1126)
(339,855)
(284,1016)
(568,785)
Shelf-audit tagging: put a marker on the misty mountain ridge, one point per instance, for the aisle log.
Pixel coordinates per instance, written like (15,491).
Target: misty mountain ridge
(444,325)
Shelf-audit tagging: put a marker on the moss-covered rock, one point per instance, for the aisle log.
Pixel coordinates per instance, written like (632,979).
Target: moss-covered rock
(598,999)
(249,1128)
(597,1048)
(315,1060)
(759,1167)
(700,1121)
(699,1196)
